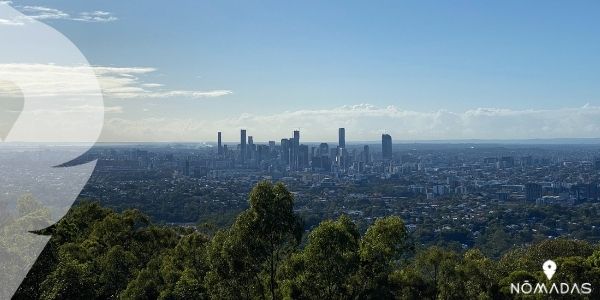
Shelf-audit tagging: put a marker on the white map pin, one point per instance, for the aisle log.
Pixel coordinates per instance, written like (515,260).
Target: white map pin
(549,268)
(53,112)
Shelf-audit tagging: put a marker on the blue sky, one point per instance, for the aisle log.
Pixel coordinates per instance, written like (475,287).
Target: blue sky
(282,59)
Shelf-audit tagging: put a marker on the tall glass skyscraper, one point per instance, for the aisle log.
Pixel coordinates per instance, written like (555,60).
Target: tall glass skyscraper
(386,146)
(219,144)
(243,145)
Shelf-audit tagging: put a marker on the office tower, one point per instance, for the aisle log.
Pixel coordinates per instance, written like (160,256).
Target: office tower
(366,155)
(296,137)
(333,152)
(243,145)
(342,138)
(533,191)
(262,153)
(386,146)
(340,158)
(285,151)
(295,150)
(251,148)
(220,145)
(272,146)
(302,156)
(323,149)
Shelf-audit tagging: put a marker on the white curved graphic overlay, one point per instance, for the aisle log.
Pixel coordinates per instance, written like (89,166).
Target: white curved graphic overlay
(51,112)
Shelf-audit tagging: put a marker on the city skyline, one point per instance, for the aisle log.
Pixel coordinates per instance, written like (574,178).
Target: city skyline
(244,138)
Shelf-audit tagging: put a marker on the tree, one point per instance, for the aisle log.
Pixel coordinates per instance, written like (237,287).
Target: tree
(438,269)
(251,250)
(381,249)
(19,247)
(480,275)
(71,279)
(532,257)
(324,267)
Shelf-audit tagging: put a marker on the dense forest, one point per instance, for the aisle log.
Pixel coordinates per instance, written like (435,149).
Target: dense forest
(97,253)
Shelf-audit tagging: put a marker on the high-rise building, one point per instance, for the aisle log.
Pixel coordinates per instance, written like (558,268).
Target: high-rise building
(323,149)
(342,138)
(366,156)
(220,145)
(285,151)
(386,146)
(302,156)
(262,153)
(243,145)
(251,148)
(294,162)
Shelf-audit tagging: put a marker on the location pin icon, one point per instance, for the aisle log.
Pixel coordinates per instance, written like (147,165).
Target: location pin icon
(549,268)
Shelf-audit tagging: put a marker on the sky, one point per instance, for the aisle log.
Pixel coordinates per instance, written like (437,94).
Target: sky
(418,70)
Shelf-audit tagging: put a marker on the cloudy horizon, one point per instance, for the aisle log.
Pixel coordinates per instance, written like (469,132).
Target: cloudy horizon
(417,71)
(366,122)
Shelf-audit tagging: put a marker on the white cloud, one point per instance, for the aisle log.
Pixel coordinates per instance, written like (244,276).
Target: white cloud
(79,109)
(95,16)
(152,85)
(189,94)
(366,123)
(125,83)
(44,13)
(117,83)
(11,22)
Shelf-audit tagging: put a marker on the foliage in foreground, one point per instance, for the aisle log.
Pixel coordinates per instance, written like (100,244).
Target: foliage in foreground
(96,253)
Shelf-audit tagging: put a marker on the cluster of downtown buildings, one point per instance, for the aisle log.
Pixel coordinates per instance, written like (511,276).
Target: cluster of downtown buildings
(451,186)
(291,155)
(541,174)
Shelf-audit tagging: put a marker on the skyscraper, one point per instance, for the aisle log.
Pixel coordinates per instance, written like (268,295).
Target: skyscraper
(295,150)
(296,137)
(220,145)
(386,146)
(250,152)
(323,149)
(285,151)
(366,155)
(302,156)
(342,138)
(243,145)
